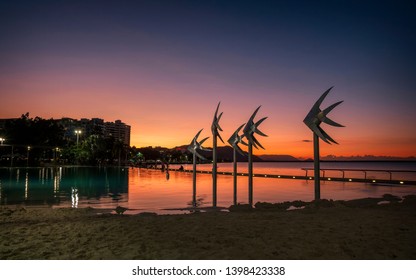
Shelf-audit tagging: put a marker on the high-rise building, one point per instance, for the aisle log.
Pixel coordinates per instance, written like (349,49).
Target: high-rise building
(95,126)
(118,130)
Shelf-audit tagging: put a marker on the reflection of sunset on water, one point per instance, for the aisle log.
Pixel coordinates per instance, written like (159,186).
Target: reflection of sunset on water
(149,189)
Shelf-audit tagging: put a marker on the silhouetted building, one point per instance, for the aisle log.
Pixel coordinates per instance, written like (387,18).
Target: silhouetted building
(95,126)
(118,130)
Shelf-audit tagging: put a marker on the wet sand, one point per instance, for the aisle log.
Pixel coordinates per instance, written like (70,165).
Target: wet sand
(359,229)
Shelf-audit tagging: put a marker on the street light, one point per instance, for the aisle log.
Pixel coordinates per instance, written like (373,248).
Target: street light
(56,150)
(2,140)
(78,132)
(27,157)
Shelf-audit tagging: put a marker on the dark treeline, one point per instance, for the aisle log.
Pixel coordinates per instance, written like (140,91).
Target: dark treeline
(36,132)
(37,141)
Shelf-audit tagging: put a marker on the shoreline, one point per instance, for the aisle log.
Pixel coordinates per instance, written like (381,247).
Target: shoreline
(356,229)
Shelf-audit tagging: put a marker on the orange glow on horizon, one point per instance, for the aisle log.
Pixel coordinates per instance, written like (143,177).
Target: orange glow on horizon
(171,126)
(164,115)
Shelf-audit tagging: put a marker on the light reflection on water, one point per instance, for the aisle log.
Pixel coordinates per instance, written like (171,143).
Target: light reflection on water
(152,191)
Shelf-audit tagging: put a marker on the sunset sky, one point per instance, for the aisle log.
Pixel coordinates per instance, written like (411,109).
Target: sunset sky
(163,66)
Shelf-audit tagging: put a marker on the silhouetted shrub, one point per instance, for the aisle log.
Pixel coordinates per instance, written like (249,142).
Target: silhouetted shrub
(240,208)
(390,197)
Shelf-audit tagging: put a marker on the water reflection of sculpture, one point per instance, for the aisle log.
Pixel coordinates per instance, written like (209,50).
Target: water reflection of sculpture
(313,120)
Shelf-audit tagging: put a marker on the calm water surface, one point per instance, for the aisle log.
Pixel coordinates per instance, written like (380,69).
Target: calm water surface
(150,190)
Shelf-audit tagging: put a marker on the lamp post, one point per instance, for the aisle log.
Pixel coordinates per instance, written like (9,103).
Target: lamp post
(27,156)
(56,150)
(78,132)
(2,140)
(12,155)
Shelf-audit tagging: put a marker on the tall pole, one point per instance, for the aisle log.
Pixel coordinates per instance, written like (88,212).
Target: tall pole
(316,167)
(194,182)
(27,156)
(77,132)
(215,126)
(235,175)
(250,173)
(249,130)
(11,159)
(119,157)
(214,171)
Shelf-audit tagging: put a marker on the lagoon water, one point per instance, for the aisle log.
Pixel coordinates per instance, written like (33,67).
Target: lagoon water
(149,190)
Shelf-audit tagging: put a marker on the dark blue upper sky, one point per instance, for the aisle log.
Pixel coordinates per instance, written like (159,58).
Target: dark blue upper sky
(369,37)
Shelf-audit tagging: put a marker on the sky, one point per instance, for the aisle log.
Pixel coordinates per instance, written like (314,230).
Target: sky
(163,66)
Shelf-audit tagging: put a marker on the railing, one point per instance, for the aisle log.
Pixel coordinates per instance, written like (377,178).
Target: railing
(342,179)
(365,171)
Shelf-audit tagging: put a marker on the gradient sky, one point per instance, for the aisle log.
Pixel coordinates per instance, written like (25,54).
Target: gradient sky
(162,67)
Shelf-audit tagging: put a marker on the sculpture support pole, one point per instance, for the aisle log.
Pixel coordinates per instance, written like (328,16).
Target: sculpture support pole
(194,183)
(250,174)
(214,171)
(316,166)
(235,175)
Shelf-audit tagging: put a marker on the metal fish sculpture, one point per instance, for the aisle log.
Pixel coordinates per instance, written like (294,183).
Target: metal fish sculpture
(216,123)
(193,148)
(215,133)
(234,140)
(313,120)
(316,116)
(249,130)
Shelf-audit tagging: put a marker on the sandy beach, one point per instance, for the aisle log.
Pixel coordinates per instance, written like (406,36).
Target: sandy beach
(359,229)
